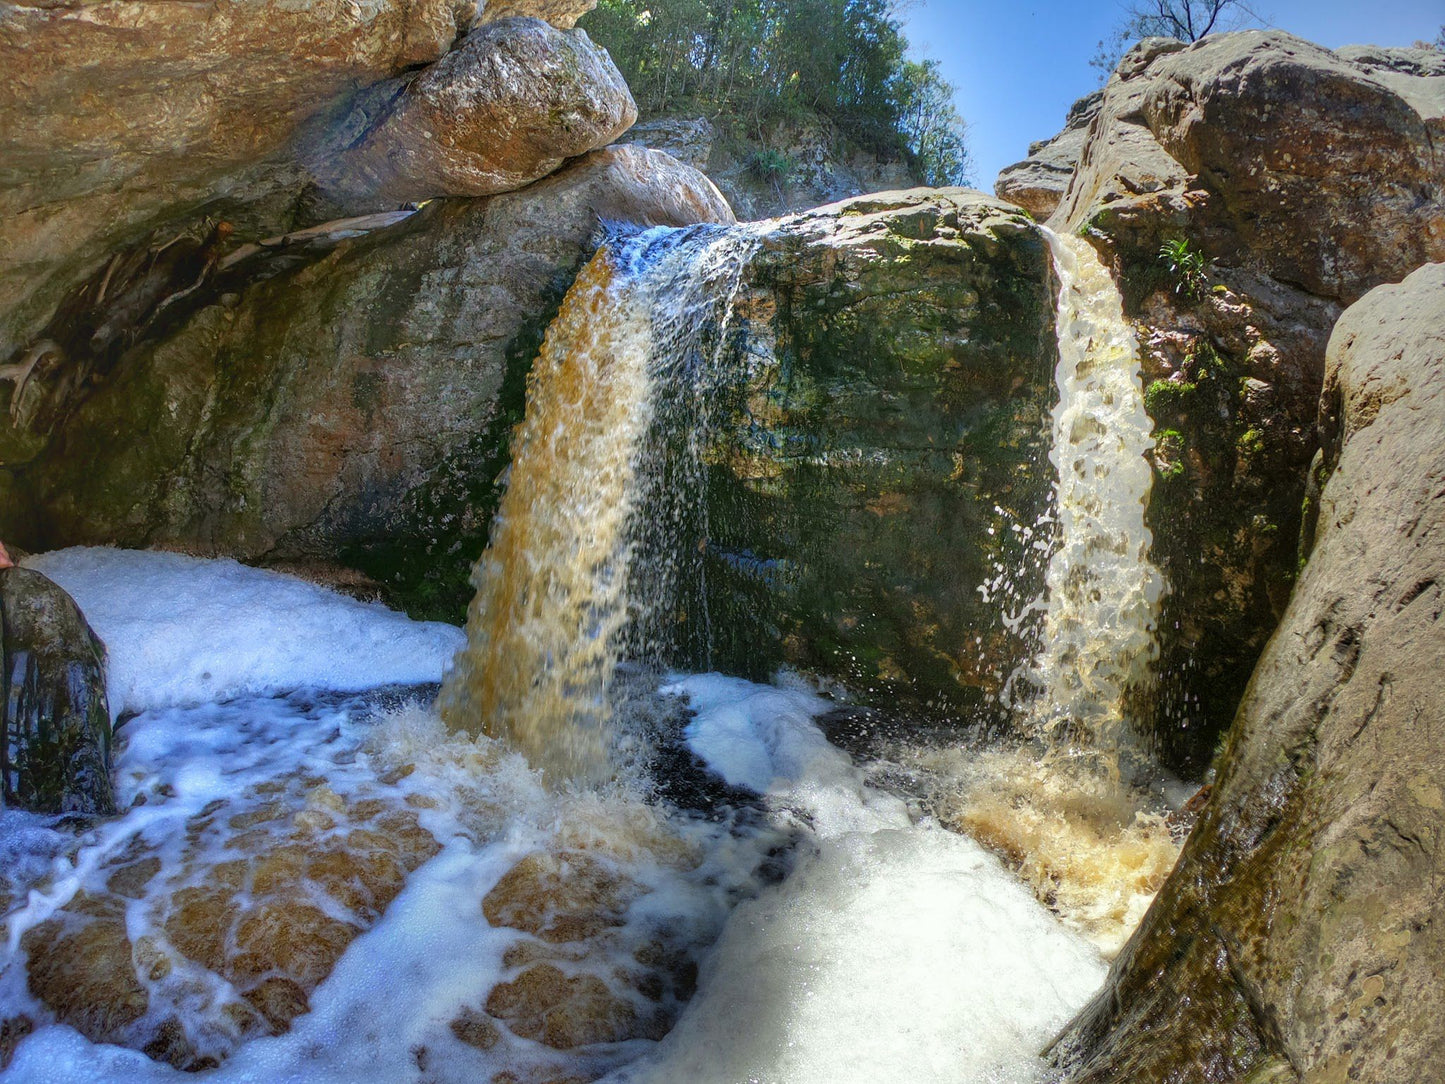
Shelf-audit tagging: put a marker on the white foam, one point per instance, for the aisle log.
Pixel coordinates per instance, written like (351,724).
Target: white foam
(893,950)
(181,630)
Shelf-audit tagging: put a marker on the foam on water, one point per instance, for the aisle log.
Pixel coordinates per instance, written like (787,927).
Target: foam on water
(181,630)
(893,949)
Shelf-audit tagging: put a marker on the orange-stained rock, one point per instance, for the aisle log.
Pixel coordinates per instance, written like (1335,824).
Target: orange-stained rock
(559,897)
(475,1029)
(245,908)
(560,1011)
(80,968)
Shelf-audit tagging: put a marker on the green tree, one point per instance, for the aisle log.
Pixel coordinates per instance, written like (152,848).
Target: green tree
(748,64)
(935,133)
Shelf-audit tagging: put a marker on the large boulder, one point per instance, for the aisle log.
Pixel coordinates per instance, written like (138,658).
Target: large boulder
(499,112)
(230,122)
(1038,183)
(355,408)
(1299,934)
(1246,188)
(54,716)
(886,437)
(190,106)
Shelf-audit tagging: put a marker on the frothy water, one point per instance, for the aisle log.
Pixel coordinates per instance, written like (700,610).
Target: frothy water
(1103,590)
(329,887)
(559,593)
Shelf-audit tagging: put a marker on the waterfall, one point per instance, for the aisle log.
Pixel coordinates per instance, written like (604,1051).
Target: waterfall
(1103,591)
(598,488)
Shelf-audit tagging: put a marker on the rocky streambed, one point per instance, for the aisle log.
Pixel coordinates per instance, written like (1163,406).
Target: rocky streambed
(281,304)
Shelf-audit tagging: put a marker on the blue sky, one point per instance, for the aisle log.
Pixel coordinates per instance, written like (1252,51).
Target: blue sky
(1018,66)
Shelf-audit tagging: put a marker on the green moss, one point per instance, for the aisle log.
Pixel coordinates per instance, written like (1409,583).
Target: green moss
(1162,397)
(862,466)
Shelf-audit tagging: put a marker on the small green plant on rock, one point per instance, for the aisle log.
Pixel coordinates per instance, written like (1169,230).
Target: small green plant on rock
(771,166)
(1186,264)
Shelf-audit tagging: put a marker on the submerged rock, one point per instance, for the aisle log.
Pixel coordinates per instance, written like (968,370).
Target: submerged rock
(1246,188)
(1298,938)
(54,717)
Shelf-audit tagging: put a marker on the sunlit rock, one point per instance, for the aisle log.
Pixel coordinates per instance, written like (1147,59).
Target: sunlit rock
(505,108)
(1039,182)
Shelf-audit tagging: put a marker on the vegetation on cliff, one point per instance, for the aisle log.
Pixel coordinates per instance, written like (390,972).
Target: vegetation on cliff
(750,65)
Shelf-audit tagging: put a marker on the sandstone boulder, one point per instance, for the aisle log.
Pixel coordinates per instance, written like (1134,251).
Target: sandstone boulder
(54,716)
(121,115)
(502,110)
(888,433)
(1039,182)
(1330,176)
(1246,188)
(1299,934)
(348,399)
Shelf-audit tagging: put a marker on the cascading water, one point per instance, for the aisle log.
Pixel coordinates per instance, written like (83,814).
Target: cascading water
(285,855)
(1093,843)
(559,595)
(1103,591)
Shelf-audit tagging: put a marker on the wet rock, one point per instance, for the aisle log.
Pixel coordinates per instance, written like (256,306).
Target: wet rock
(55,741)
(252,919)
(562,1011)
(1258,153)
(1298,936)
(1038,183)
(559,897)
(887,433)
(355,409)
(500,111)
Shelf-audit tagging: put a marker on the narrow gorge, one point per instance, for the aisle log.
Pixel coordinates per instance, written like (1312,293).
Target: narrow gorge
(473,610)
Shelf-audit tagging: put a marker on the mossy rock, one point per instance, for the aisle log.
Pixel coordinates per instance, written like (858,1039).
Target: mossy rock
(887,426)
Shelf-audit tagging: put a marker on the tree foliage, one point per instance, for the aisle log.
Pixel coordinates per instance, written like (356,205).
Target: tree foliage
(751,63)
(1187,20)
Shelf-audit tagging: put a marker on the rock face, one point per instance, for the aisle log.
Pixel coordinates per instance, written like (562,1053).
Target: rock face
(499,112)
(227,122)
(1038,183)
(1299,935)
(898,352)
(199,99)
(355,407)
(1295,179)
(54,718)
